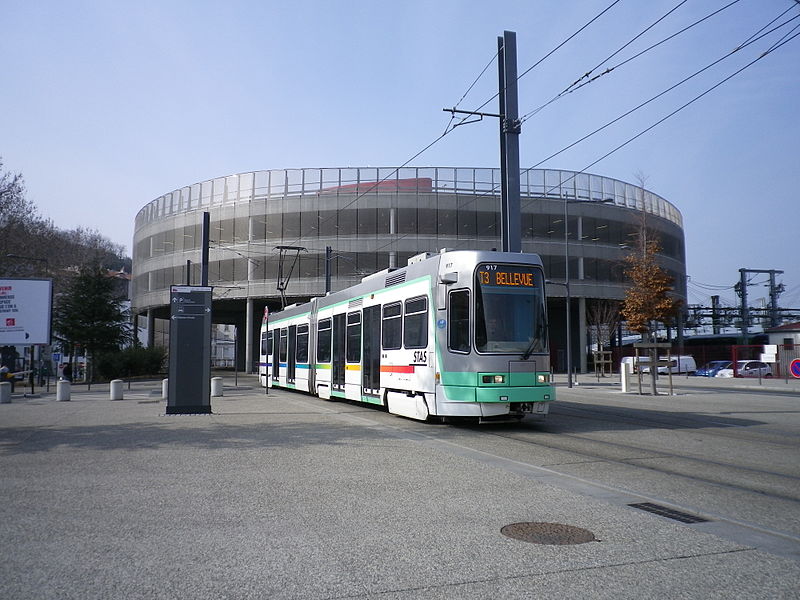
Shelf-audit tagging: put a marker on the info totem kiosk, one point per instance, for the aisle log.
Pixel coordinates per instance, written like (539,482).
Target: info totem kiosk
(189,385)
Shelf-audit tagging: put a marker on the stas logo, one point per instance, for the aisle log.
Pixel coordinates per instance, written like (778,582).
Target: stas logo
(11,322)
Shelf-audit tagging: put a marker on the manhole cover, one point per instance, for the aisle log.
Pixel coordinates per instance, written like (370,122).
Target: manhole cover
(554,534)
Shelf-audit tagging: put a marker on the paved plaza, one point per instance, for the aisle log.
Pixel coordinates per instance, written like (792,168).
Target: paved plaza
(287,496)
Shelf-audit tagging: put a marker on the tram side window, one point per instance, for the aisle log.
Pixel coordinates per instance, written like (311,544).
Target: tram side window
(266,343)
(353,337)
(324,341)
(415,327)
(392,330)
(284,345)
(458,321)
(302,344)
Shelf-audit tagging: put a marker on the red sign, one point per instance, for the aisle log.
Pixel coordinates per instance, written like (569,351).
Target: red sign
(794,368)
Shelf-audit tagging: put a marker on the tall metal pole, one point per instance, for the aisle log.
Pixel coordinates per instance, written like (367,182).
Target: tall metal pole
(568,298)
(327,269)
(745,313)
(715,328)
(509,143)
(773,300)
(205,242)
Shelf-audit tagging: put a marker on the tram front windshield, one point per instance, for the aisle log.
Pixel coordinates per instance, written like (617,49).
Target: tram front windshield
(510,309)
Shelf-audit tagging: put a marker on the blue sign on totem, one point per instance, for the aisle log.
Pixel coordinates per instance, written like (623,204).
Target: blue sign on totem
(794,368)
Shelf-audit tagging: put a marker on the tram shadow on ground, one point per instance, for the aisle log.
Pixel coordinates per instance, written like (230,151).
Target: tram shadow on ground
(574,417)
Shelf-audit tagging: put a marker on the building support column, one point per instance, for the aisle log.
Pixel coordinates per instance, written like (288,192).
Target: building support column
(582,333)
(248,337)
(392,237)
(151,328)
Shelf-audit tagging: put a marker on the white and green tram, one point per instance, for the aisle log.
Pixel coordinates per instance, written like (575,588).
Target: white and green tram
(459,334)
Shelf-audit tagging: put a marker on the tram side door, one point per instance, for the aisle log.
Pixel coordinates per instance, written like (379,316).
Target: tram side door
(276,363)
(291,358)
(371,359)
(338,367)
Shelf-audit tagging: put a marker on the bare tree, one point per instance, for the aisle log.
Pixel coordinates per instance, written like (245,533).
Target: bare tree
(604,317)
(31,246)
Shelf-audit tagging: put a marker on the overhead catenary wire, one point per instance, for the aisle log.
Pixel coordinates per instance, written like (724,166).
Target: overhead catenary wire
(752,39)
(683,106)
(777,45)
(664,92)
(587,74)
(663,119)
(551,52)
(449,129)
(585,80)
(464,95)
(657,123)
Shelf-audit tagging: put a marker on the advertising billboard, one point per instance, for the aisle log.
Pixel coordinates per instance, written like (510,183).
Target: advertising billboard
(25,306)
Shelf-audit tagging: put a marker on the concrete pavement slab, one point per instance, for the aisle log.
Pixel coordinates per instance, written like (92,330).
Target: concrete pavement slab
(285,496)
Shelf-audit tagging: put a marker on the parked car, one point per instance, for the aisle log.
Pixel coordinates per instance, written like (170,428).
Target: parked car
(710,369)
(747,368)
(677,364)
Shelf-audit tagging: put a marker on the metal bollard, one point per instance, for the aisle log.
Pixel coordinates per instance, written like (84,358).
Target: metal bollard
(216,387)
(63,391)
(625,373)
(5,393)
(164,389)
(116,389)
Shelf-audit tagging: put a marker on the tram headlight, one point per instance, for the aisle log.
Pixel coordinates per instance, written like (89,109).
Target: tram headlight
(543,378)
(494,379)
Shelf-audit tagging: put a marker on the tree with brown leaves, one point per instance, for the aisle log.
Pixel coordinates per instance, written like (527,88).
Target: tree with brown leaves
(647,300)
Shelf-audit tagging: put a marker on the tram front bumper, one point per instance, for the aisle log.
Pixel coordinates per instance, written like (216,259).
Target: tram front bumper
(514,395)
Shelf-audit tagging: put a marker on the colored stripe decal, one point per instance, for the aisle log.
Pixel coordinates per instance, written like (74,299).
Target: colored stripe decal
(397,368)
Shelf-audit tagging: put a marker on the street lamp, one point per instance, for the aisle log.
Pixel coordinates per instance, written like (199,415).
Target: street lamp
(567,202)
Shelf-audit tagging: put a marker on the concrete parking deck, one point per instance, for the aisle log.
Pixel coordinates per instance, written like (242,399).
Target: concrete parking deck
(287,496)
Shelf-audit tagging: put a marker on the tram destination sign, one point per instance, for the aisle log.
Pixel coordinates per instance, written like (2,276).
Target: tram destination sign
(506,276)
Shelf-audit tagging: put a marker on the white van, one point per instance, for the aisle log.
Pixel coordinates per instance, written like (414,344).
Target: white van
(677,364)
(644,361)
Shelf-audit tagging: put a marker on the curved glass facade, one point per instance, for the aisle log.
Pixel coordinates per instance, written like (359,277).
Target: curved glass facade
(373,218)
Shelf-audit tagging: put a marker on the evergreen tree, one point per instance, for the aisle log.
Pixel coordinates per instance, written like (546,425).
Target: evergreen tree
(89,315)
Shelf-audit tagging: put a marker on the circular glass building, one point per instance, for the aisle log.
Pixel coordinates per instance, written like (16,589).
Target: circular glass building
(269,232)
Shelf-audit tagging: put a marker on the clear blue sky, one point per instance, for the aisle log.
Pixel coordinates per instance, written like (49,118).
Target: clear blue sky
(106,105)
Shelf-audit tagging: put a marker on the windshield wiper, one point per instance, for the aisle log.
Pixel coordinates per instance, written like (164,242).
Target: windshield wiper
(535,340)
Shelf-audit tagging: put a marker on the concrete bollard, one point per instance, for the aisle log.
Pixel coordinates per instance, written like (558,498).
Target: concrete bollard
(5,393)
(216,387)
(625,374)
(63,391)
(164,389)
(116,389)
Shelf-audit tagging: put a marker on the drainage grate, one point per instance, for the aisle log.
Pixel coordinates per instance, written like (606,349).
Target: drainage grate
(553,534)
(663,511)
